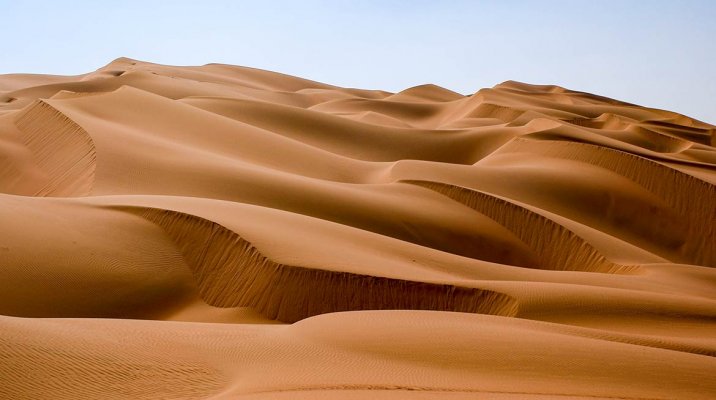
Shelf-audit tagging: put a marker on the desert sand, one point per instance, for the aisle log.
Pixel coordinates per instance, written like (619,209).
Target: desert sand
(223,232)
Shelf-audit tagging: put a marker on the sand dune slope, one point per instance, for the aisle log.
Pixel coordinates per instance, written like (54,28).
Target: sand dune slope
(222,232)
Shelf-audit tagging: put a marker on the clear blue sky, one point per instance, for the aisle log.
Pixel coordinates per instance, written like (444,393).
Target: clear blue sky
(655,53)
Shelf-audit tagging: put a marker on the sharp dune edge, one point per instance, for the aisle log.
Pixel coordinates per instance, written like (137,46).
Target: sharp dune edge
(230,272)
(557,247)
(221,232)
(67,156)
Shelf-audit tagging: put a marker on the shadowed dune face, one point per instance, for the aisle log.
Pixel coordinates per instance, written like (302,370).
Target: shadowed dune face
(225,232)
(230,272)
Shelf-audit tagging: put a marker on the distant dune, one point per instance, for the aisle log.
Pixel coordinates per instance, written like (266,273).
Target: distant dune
(222,232)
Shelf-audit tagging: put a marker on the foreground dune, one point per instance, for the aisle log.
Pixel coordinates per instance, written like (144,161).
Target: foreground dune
(221,232)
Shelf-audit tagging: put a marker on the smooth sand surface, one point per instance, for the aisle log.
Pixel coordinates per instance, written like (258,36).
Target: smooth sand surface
(222,232)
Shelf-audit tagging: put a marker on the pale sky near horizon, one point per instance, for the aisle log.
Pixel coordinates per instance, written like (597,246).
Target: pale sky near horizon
(655,53)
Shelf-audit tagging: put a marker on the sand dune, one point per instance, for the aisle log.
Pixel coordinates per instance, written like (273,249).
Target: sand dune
(222,232)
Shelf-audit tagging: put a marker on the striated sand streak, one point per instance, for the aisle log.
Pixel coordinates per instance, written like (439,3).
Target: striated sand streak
(230,272)
(691,197)
(62,149)
(557,247)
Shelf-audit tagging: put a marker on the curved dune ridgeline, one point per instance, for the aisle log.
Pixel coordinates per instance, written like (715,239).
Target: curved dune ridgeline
(62,150)
(230,272)
(223,232)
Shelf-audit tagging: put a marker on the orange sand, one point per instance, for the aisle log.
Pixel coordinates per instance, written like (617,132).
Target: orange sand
(222,232)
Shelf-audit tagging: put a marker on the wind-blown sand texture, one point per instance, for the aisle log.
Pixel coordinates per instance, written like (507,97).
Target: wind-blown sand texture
(221,232)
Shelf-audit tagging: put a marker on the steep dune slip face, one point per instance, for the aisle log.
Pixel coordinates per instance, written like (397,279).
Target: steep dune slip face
(222,232)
